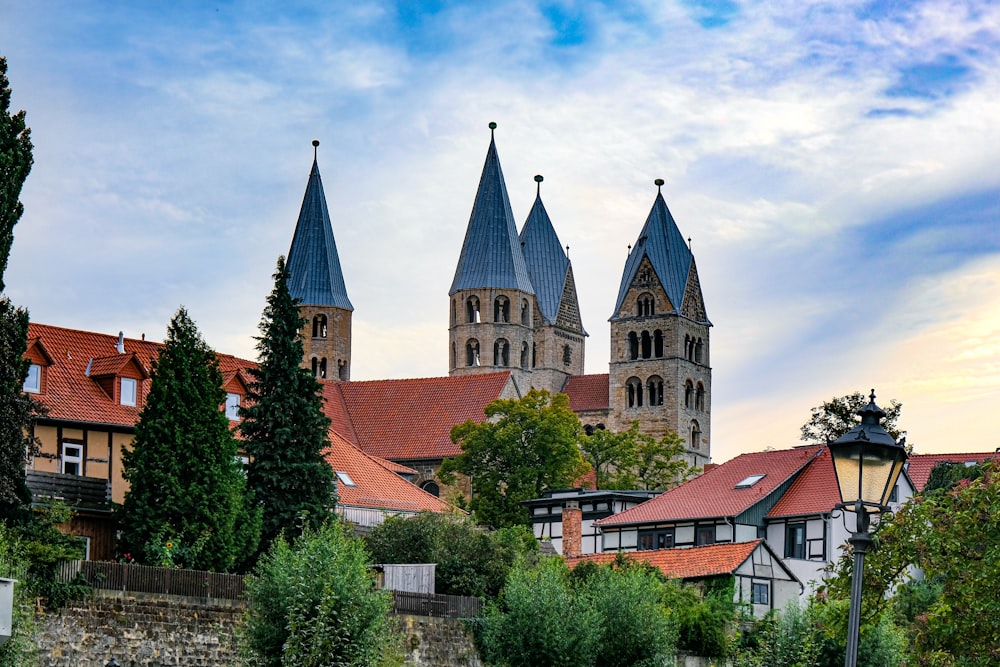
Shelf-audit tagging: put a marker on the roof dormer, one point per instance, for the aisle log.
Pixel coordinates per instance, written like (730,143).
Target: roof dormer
(120,376)
(39,360)
(235,383)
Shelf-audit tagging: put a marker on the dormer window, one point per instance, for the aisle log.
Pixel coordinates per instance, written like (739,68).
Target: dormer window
(128,391)
(232,407)
(33,382)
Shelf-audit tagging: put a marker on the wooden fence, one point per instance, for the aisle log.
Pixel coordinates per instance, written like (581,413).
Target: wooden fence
(194,583)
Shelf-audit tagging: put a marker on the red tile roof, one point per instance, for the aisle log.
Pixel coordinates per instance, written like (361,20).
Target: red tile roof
(691,563)
(375,485)
(587,392)
(714,493)
(920,465)
(412,419)
(814,491)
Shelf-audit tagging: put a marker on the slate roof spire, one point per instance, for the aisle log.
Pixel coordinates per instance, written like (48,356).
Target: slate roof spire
(549,266)
(313,262)
(662,242)
(491,253)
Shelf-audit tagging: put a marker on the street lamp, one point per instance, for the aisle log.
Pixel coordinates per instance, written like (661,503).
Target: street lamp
(867,461)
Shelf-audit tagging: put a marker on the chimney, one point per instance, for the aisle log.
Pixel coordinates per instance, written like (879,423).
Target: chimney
(572,519)
(121,342)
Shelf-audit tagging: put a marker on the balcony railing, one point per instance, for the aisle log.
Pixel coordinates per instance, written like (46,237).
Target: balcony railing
(91,494)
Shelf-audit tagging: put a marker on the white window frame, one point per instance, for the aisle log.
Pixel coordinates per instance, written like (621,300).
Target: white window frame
(233,406)
(33,381)
(68,458)
(345,479)
(131,397)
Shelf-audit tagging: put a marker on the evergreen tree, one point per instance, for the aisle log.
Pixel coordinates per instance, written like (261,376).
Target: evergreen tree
(186,505)
(284,428)
(17,410)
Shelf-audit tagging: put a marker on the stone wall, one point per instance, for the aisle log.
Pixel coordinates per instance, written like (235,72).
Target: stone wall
(139,629)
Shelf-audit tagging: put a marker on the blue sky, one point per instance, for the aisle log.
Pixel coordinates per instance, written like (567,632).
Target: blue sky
(835,164)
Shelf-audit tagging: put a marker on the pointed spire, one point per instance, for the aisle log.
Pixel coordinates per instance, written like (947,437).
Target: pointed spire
(662,242)
(548,265)
(313,263)
(491,254)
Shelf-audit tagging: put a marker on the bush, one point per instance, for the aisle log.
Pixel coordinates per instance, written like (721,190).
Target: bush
(19,651)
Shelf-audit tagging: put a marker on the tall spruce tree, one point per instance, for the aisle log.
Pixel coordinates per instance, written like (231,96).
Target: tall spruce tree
(284,428)
(17,410)
(186,505)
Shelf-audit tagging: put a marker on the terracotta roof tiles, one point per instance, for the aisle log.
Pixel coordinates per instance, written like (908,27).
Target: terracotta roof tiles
(690,563)
(587,392)
(920,465)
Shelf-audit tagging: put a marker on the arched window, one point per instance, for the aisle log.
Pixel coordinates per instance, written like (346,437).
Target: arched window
(695,441)
(697,351)
(472,352)
(644,306)
(472,310)
(647,345)
(319,326)
(633,345)
(588,429)
(658,344)
(524,355)
(454,355)
(654,390)
(431,487)
(634,388)
(688,394)
(534,354)
(501,352)
(454,313)
(322,369)
(525,313)
(501,309)
(342,369)
(315,367)
(567,355)
(699,397)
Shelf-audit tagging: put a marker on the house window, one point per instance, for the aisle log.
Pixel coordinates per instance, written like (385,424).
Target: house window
(345,479)
(704,535)
(761,593)
(72,459)
(795,540)
(33,383)
(232,407)
(656,539)
(128,391)
(894,494)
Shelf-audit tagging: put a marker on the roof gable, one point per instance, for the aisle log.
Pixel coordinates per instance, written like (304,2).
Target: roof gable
(118,364)
(38,353)
(814,491)
(714,494)
(491,253)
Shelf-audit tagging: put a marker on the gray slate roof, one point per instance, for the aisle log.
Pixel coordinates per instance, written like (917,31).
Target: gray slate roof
(491,254)
(313,263)
(662,242)
(548,265)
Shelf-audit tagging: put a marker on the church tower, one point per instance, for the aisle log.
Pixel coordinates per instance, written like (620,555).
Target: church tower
(317,280)
(557,350)
(660,371)
(491,309)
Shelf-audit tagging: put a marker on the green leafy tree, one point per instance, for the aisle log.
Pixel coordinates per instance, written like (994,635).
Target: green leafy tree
(634,460)
(525,447)
(17,410)
(187,489)
(840,414)
(947,475)
(284,428)
(313,603)
(21,649)
(470,560)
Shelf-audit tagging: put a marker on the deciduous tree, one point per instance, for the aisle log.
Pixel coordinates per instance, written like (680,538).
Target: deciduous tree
(284,427)
(15,164)
(840,414)
(525,447)
(186,503)
(634,460)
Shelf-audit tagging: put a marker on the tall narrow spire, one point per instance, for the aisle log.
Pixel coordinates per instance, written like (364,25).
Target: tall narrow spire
(491,254)
(548,265)
(313,262)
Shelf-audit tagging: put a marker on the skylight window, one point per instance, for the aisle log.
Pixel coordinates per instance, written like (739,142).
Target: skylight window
(345,479)
(747,482)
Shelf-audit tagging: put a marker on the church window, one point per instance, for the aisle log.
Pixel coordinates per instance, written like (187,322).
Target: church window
(697,351)
(525,313)
(645,305)
(501,309)
(634,389)
(654,388)
(342,370)
(658,344)
(695,440)
(453,356)
(567,355)
(319,326)
(647,345)
(688,394)
(472,352)
(315,367)
(454,315)
(534,354)
(432,488)
(322,369)
(644,275)
(524,355)
(472,309)
(699,399)
(501,352)
(633,345)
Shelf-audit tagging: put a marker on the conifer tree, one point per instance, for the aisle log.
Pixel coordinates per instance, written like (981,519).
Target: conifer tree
(284,428)
(17,410)
(186,505)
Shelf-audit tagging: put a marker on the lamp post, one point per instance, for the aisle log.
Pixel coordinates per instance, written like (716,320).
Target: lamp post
(867,461)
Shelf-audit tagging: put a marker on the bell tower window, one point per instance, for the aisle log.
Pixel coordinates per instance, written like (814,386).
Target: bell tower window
(501,309)
(647,345)
(501,352)
(472,352)
(698,351)
(634,389)
(524,354)
(688,394)
(699,397)
(472,310)
(633,346)
(525,313)
(645,305)
(695,441)
(658,344)
(654,387)
(567,355)
(319,326)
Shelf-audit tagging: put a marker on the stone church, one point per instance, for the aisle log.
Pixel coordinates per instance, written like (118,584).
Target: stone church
(513,310)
